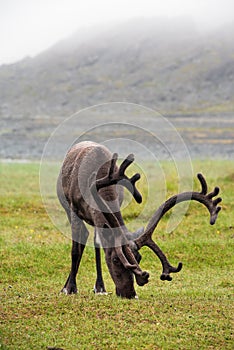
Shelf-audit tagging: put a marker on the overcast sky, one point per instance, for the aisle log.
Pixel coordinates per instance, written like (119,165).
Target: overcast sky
(28,27)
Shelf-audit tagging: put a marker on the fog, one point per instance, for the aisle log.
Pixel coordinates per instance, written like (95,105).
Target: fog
(28,27)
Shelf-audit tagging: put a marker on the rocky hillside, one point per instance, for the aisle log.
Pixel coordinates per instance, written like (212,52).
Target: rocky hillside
(165,65)
(169,66)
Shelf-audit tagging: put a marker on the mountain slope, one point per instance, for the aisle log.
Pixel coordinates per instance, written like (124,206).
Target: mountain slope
(164,65)
(168,66)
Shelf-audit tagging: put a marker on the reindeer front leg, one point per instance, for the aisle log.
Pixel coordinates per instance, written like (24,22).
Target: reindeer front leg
(79,239)
(99,287)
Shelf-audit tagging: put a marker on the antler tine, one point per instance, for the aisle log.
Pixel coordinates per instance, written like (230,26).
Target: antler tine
(130,183)
(203,183)
(213,193)
(128,161)
(204,187)
(217,201)
(113,163)
(123,259)
(129,262)
(118,176)
(207,200)
(109,179)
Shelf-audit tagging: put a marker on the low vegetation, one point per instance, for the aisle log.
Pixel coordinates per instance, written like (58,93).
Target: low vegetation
(194,311)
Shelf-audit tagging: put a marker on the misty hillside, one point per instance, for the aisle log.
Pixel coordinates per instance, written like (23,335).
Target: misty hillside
(170,66)
(165,65)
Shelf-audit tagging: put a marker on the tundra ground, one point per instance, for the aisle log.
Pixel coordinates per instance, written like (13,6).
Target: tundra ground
(194,311)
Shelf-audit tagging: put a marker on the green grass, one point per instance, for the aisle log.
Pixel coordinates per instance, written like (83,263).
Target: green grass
(194,311)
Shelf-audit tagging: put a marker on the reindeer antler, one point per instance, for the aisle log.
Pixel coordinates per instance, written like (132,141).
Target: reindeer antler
(119,240)
(146,238)
(113,177)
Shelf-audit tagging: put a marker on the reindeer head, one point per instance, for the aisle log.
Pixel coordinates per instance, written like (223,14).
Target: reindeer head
(122,254)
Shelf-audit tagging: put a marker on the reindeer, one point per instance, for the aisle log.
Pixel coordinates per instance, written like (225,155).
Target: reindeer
(90,189)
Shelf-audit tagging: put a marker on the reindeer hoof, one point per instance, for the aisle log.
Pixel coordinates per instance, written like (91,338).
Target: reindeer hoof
(102,293)
(69,290)
(100,290)
(64,291)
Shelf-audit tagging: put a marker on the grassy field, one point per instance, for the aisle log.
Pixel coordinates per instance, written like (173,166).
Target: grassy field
(194,311)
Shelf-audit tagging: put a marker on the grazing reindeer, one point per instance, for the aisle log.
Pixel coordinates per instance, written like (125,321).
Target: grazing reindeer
(87,190)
